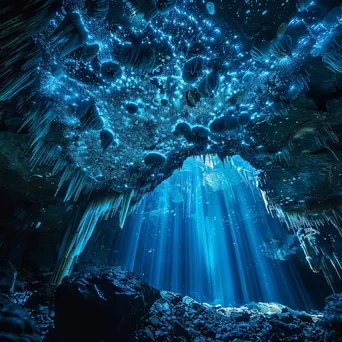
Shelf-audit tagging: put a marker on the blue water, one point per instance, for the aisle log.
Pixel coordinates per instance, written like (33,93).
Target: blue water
(200,233)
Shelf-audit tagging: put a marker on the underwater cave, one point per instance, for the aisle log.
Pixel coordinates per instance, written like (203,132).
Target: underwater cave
(170,170)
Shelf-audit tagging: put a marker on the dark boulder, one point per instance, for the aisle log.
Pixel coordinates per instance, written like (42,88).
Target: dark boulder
(101,304)
(15,323)
(332,319)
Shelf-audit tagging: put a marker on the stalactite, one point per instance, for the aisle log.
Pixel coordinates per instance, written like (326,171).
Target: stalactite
(19,55)
(307,226)
(125,206)
(39,121)
(317,255)
(45,152)
(83,225)
(19,70)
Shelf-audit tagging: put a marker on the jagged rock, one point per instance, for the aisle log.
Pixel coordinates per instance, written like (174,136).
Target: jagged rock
(188,320)
(174,298)
(15,323)
(332,319)
(101,304)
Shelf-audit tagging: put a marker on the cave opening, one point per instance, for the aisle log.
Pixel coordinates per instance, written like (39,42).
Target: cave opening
(205,232)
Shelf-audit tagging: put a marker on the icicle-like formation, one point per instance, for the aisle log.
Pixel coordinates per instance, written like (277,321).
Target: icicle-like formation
(306,219)
(39,121)
(19,55)
(333,60)
(78,183)
(246,171)
(319,255)
(80,232)
(127,197)
(46,152)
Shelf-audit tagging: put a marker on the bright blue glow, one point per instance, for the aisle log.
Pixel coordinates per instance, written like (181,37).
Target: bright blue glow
(200,233)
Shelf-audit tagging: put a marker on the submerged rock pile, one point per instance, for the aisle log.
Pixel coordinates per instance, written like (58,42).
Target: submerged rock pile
(111,304)
(15,323)
(177,318)
(332,320)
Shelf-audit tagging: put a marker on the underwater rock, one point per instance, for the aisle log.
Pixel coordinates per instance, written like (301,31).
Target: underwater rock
(281,249)
(139,57)
(85,74)
(132,107)
(69,35)
(155,160)
(209,85)
(183,128)
(199,137)
(16,323)
(110,71)
(193,69)
(108,303)
(218,125)
(89,52)
(107,139)
(332,319)
(173,318)
(89,116)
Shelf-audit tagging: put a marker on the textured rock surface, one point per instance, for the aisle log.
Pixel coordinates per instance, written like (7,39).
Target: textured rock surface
(332,319)
(301,153)
(101,304)
(177,318)
(98,301)
(111,304)
(15,323)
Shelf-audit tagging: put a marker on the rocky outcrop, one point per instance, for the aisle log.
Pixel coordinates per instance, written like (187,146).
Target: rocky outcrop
(101,304)
(177,318)
(15,323)
(300,154)
(332,319)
